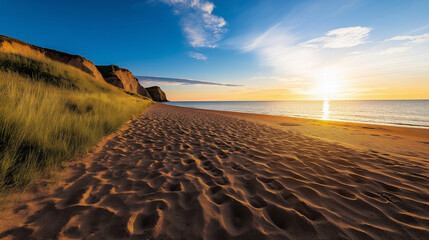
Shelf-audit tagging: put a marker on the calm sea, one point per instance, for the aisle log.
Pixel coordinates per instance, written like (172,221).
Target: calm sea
(411,113)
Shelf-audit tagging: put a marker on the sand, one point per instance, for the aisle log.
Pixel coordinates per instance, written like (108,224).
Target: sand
(181,173)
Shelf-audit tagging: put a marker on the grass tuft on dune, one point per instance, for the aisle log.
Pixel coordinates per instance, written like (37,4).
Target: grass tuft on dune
(50,112)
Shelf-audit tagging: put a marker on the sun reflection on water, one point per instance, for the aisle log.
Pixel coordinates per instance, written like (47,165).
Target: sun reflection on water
(325,110)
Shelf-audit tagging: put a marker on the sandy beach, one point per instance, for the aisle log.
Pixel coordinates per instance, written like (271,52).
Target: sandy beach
(182,173)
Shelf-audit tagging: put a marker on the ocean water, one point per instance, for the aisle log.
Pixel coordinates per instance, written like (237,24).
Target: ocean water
(411,113)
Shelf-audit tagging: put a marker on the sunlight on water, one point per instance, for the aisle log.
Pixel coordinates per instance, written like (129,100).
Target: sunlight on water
(391,112)
(325,110)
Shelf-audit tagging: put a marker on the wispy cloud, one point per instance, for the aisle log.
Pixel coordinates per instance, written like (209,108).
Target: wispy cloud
(406,43)
(395,50)
(147,80)
(281,49)
(415,39)
(278,48)
(295,61)
(197,55)
(340,38)
(201,26)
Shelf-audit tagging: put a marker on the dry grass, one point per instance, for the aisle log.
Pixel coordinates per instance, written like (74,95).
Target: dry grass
(50,112)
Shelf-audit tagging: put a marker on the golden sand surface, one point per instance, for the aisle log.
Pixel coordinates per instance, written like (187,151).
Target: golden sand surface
(182,173)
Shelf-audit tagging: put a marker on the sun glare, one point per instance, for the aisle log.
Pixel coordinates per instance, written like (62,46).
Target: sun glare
(328,84)
(325,110)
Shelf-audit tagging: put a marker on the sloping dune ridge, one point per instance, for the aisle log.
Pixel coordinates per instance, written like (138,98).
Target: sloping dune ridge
(179,173)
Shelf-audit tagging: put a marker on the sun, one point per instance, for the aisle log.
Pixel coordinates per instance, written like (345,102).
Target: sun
(328,84)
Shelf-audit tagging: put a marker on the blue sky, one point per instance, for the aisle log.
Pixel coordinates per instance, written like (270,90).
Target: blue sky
(271,49)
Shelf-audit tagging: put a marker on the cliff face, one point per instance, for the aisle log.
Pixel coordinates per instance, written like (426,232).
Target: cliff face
(14,46)
(122,78)
(157,94)
(119,77)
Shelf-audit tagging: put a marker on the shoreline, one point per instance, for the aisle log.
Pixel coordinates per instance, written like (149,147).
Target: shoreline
(309,118)
(405,141)
(333,120)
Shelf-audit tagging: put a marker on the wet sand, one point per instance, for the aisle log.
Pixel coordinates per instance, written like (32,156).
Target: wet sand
(181,173)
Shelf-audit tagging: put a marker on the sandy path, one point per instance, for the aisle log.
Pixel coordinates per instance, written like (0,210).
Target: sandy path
(178,173)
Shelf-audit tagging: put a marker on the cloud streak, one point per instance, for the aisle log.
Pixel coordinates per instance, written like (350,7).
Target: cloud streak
(340,38)
(395,50)
(197,55)
(415,39)
(180,81)
(406,43)
(278,48)
(201,27)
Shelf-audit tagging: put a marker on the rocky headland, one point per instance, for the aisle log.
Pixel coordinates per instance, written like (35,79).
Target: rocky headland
(112,74)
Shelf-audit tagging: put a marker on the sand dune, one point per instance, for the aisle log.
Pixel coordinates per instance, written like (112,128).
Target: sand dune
(178,173)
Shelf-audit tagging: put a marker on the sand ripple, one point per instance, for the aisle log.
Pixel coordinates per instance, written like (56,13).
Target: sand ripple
(178,173)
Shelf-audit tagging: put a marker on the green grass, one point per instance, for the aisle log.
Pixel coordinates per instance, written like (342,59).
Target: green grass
(50,112)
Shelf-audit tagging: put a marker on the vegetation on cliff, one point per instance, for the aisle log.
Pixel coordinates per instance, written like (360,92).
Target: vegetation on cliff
(50,112)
